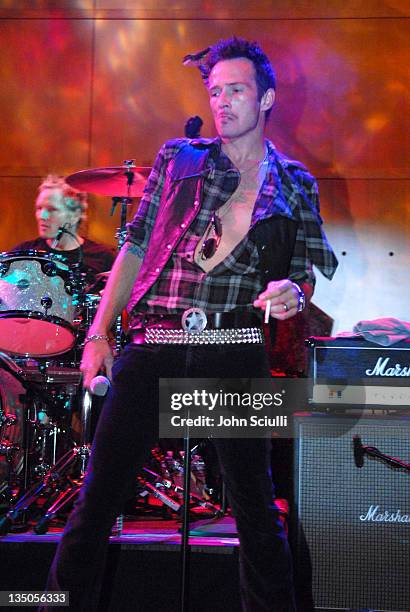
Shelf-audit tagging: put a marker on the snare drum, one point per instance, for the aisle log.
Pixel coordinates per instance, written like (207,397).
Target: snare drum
(37,304)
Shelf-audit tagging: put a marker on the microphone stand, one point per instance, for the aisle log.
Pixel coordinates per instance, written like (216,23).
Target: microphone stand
(120,235)
(76,268)
(374,452)
(185,549)
(121,231)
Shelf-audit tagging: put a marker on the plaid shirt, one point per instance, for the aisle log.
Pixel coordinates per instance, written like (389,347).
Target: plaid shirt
(236,281)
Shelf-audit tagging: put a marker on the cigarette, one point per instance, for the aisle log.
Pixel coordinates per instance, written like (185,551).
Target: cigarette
(267,311)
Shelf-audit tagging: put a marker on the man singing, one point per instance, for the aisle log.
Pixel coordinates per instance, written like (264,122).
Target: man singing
(225,225)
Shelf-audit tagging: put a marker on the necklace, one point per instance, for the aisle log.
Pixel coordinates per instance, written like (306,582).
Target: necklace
(210,244)
(257,164)
(222,213)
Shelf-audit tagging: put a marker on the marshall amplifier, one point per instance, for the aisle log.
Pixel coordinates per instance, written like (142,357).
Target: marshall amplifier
(353,524)
(355,373)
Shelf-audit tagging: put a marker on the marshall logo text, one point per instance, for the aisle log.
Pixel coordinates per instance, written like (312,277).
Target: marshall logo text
(382,368)
(376,515)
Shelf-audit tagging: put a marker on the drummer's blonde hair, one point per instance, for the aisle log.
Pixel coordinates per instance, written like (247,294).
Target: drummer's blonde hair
(73,200)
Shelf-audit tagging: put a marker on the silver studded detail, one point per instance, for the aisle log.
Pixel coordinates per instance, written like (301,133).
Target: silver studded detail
(244,335)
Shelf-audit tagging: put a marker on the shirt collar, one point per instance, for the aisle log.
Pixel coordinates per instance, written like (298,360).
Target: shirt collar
(271,200)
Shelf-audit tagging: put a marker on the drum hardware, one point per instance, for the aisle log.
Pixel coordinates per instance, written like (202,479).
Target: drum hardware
(175,504)
(122,183)
(58,485)
(86,310)
(50,392)
(11,367)
(166,485)
(46,486)
(157,491)
(206,480)
(11,411)
(49,389)
(48,434)
(46,303)
(51,375)
(7,449)
(175,471)
(65,497)
(6,420)
(79,455)
(131,187)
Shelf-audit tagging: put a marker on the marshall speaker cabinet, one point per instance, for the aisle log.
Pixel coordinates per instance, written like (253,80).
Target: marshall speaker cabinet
(355,521)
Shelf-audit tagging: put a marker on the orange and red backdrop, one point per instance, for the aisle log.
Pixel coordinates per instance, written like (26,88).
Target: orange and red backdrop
(89,83)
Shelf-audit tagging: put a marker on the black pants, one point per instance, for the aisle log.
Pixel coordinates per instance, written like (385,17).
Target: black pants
(127,429)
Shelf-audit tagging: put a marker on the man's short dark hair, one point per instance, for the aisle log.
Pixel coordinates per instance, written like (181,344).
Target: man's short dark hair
(235,47)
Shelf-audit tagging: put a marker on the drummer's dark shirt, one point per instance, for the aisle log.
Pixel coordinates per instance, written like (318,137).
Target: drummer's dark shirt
(97,257)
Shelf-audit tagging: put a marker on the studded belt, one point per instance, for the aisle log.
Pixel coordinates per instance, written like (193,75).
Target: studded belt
(195,327)
(246,335)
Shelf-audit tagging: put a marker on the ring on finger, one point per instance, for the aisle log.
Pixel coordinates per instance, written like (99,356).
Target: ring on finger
(285,307)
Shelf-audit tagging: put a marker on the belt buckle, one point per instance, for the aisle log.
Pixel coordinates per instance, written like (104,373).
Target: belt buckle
(194,320)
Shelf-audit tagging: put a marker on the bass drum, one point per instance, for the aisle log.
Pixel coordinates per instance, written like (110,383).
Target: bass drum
(37,304)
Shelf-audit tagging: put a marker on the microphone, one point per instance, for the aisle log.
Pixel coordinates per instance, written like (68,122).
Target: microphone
(358,451)
(99,386)
(58,237)
(192,58)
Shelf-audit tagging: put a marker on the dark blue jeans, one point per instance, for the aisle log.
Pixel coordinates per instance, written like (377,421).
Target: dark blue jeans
(127,429)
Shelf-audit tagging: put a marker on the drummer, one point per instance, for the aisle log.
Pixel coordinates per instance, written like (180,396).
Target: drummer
(60,210)
(60,207)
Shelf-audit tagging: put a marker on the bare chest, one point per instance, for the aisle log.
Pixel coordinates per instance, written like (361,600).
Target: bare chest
(235,215)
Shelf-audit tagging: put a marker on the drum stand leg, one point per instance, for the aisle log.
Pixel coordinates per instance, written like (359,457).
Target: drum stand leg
(82,453)
(62,500)
(34,492)
(54,476)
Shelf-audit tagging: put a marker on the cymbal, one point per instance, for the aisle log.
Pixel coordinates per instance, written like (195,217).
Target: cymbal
(111,181)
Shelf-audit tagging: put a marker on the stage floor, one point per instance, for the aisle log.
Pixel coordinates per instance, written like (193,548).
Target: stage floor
(214,532)
(143,567)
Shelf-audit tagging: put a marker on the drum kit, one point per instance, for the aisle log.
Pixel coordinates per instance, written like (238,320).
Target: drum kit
(45,314)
